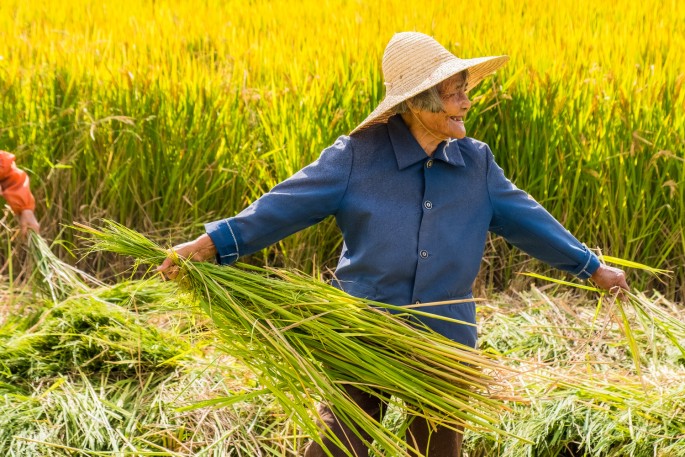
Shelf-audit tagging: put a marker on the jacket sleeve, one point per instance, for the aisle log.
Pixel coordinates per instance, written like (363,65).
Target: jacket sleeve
(523,222)
(14,184)
(304,199)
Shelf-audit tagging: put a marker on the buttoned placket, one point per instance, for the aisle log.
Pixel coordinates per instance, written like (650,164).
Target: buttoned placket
(424,252)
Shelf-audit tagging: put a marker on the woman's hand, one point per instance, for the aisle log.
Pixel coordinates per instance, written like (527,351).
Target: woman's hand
(611,279)
(27,221)
(200,249)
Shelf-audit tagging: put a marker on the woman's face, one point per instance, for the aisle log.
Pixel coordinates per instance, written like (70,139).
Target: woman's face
(450,122)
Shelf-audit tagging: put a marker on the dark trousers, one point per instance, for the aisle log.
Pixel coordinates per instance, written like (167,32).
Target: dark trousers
(439,442)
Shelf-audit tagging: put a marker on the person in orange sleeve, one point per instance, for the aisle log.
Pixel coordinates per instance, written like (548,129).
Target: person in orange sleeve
(14,187)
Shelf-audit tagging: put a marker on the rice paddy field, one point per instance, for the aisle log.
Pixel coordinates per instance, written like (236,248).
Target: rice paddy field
(163,115)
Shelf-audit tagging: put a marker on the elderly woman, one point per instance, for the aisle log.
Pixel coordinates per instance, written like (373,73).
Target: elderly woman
(414,199)
(14,187)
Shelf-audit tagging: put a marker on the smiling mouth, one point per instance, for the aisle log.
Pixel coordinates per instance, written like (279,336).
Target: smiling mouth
(457,118)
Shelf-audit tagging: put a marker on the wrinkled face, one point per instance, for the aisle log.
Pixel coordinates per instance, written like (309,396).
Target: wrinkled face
(450,122)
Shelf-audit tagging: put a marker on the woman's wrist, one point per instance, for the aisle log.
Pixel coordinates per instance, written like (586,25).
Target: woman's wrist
(204,248)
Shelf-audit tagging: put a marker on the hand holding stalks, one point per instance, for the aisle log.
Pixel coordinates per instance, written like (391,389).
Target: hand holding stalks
(200,249)
(611,279)
(27,221)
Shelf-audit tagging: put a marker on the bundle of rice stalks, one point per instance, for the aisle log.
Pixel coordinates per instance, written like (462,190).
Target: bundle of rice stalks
(306,341)
(85,334)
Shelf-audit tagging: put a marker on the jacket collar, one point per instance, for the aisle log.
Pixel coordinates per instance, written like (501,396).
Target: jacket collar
(408,151)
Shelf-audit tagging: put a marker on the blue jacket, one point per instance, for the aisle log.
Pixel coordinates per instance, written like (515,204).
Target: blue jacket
(414,227)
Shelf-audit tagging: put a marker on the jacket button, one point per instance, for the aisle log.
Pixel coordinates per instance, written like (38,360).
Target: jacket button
(423,254)
(428,204)
(429,163)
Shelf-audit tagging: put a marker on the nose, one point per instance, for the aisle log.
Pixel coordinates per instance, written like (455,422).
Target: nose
(464,101)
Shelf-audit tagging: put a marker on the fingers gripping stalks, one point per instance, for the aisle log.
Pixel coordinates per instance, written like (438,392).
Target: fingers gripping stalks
(200,249)
(611,279)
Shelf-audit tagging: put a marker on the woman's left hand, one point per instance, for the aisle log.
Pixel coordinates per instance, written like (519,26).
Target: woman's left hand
(611,279)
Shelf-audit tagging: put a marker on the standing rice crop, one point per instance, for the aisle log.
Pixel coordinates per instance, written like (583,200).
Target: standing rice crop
(164,115)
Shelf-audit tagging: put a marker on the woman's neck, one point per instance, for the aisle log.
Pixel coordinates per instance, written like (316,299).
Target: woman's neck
(428,140)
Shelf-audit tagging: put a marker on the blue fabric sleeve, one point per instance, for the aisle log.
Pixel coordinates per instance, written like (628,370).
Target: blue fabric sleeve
(524,223)
(304,199)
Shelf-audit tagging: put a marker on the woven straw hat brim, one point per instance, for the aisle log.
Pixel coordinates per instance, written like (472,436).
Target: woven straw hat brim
(478,68)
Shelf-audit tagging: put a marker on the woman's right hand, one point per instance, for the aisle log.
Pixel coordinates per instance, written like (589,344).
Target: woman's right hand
(27,221)
(200,249)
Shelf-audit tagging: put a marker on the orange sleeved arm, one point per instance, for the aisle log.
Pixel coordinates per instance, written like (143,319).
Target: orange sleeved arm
(14,185)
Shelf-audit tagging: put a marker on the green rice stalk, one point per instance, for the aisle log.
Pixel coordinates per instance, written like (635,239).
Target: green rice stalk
(635,265)
(53,276)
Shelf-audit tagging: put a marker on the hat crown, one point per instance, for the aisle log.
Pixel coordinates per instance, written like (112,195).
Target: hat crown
(410,57)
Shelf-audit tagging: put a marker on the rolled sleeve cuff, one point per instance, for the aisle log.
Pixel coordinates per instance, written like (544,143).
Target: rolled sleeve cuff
(590,265)
(20,209)
(225,241)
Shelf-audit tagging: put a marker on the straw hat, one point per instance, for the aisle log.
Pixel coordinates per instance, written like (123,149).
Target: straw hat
(414,62)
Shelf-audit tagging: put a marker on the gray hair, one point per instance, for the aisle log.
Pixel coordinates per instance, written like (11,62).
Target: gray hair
(429,100)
